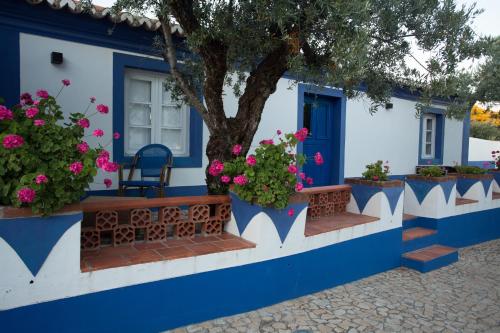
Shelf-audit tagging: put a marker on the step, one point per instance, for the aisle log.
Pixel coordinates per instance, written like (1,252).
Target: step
(418,238)
(464,201)
(410,221)
(430,258)
(495,196)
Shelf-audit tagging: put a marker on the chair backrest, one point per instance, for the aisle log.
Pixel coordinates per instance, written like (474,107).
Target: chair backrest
(152,158)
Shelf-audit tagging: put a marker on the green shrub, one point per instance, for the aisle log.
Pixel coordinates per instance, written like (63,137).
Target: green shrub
(377,171)
(484,130)
(431,171)
(43,164)
(469,170)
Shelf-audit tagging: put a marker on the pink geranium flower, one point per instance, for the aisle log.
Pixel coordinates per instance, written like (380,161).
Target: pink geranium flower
(6,114)
(216,168)
(301,134)
(375,178)
(278,132)
(108,182)
(82,147)
(302,175)
(76,167)
(309,181)
(291,212)
(42,93)
(26,99)
(225,179)
(66,82)
(111,167)
(84,123)
(292,168)
(240,180)
(98,132)
(26,195)
(251,160)
(11,141)
(267,142)
(31,112)
(299,187)
(318,158)
(41,178)
(39,122)
(236,150)
(102,159)
(116,135)
(101,108)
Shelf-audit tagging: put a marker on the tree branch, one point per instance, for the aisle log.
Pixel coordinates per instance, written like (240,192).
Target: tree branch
(184,14)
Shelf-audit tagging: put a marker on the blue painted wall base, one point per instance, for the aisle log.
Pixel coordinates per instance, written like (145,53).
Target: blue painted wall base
(158,306)
(431,265)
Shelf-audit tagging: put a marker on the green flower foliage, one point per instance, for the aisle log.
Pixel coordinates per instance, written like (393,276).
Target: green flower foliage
(376,171)
(48,150)
(469,170)
(431,171)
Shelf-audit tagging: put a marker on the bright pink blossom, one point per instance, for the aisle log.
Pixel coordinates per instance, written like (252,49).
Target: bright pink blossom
(41,178)
(309,181)
(39,122)
(116,135)
(292,168)
(42,93)
(76,167)
(11,141)
(102,159)
(240,180)
(26,195)
(299,187)
(302,175)
(251,160)
(101,108)
(291,212)
(66,82)
(236,150)
(216,168)
(82,147)
(84,123)
(111,167)
(36,102)
(6,114)
(267,142)
(278,132)
(375,178)
(225,179)
(98,132)
(31,112)
(26,99)
(108,182)
(301,134)
(318,158)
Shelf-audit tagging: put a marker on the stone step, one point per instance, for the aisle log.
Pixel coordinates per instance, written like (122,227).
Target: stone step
(430,258)
(418,238)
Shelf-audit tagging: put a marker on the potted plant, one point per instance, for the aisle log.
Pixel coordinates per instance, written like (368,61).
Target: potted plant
(467,176)
(375,179)
(267,181)
(495,170)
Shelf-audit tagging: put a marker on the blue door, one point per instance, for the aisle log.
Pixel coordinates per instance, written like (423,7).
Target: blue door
(319,117)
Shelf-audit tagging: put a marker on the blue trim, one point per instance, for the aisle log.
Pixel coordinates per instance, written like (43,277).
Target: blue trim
(427,266)
(34,237)
(419,243)
(9,66)
(422,187)
(439,140)
(363,193)
(339,123)
(120,63)
(166,304)
(465,139)
(171,191)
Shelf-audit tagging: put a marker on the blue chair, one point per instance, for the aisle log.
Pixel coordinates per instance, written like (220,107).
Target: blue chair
(154,161)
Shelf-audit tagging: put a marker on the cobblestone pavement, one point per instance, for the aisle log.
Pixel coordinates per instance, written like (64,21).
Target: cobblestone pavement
(463,297)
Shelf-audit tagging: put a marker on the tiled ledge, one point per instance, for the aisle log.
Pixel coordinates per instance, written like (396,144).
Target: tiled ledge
(170,249)
(496,195)
(336,222)
(464,201)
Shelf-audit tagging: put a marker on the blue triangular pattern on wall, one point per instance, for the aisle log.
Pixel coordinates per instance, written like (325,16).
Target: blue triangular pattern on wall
(244,212)
(486,185)
(393,194)
(421,188)
(464,184)
(33,238)
(447,188)
(362,194)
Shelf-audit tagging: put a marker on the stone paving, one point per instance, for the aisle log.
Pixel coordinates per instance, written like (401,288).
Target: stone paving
(463,297)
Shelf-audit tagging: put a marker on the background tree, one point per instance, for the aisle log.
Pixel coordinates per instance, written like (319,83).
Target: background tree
(248,45)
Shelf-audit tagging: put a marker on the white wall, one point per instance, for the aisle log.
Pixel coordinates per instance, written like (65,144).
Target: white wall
(480,150)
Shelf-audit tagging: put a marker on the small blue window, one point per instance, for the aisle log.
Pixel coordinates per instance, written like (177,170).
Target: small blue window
(431,142)
(144,113)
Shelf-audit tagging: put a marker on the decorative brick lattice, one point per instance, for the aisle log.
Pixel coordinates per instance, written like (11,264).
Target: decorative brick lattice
(223,212)
(314,212)
(340,208)
(106,220)
(170,215)
(123,234)
(140,218)
(313,200)
(90,239)
(329,209)
(328,203)
(156,231)
(199,213)
(213,226)
(185,229)
(323,199)
(336,197)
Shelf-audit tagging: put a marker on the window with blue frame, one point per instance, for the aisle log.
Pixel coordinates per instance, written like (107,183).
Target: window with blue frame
(431,145)
(145,113)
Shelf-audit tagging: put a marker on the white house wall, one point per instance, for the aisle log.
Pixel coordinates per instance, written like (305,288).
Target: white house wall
(388,134)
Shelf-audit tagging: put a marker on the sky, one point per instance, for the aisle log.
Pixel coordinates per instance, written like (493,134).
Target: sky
(484,24)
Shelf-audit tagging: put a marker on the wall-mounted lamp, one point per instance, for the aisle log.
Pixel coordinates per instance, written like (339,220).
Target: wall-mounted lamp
(56,58)
(389,106)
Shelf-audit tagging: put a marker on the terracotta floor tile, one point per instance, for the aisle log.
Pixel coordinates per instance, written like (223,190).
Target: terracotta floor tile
(418,232)
(227,235)
(429,253)
(230,244)
(150,246)
(178,242)
(463,201)
(117,250)
(336,222)
(144,256)
(205,248)
(176,252)
(107,262)
(496,195)
(204,239)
